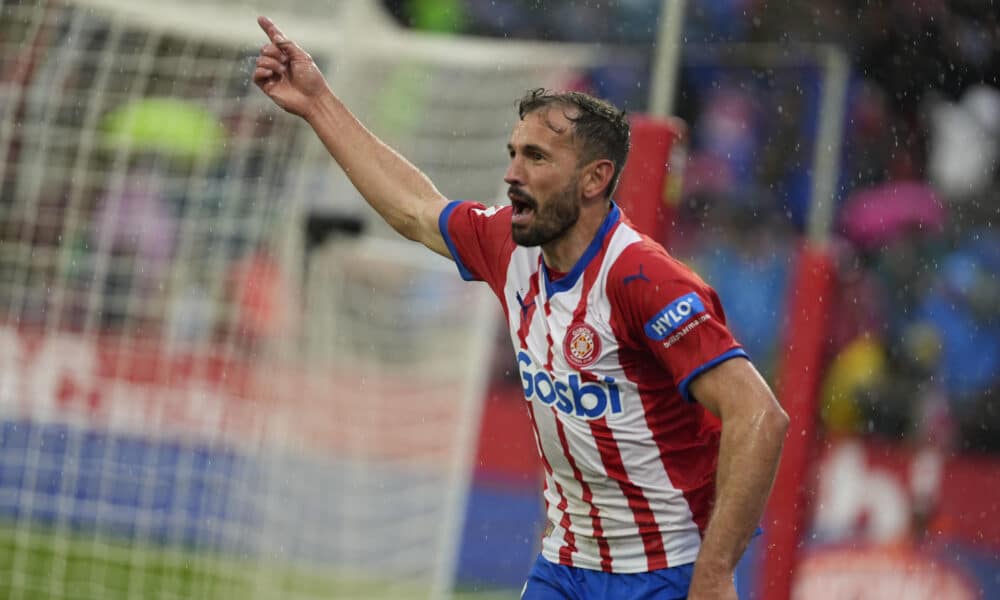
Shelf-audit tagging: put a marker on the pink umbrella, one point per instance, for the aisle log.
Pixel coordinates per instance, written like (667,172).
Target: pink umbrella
(880,214)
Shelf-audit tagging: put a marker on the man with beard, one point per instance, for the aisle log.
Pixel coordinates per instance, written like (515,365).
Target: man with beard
(659,439)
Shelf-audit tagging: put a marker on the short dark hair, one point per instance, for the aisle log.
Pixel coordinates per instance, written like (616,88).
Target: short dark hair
(601,127)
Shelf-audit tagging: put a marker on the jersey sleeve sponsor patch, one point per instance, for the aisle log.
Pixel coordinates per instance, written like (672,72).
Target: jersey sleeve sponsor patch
(674,315)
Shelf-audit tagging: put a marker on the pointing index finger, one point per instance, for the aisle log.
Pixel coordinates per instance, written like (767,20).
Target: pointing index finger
(271,30)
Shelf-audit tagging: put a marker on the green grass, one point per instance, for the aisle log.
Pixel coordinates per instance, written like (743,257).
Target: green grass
(37,564)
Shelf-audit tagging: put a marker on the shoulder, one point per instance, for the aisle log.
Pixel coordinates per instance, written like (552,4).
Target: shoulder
(476,211)
(645,265)
(490,224)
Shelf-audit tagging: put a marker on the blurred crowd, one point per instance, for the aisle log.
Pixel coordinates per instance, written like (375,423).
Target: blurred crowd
(914,342)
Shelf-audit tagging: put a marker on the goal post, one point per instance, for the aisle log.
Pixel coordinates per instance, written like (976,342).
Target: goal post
(809,288)
(810,311)
(195,400)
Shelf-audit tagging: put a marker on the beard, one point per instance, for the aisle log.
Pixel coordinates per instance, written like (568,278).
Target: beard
(549,222)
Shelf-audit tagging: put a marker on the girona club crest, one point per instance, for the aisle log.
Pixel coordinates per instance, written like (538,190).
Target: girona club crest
(581,345)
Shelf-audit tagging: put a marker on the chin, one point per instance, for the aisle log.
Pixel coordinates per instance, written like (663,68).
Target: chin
(520,240)
(524,237)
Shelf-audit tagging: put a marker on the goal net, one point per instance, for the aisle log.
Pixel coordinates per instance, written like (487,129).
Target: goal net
(210,387)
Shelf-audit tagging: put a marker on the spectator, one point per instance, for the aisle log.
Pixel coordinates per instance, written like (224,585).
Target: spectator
(964,310)
(965,145)
(857,370)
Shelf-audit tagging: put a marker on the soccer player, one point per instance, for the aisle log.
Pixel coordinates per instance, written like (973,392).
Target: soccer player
(659,439)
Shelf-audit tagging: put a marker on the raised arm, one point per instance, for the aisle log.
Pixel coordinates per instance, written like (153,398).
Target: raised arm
(397,190)
(753,431)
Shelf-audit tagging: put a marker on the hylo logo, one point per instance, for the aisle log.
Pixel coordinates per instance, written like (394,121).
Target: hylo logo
(673,316)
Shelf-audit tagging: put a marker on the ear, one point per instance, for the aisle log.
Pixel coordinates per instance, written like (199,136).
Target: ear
(597,177)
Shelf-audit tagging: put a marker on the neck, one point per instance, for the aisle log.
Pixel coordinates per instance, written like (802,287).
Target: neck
(562,253)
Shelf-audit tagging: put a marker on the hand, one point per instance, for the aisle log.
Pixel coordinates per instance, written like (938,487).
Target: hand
(711,587)
(286,72)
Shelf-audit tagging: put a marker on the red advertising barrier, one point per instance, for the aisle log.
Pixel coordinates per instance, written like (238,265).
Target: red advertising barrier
(124,384)
(148,387)
(880,492)
(895,521)
(877,573)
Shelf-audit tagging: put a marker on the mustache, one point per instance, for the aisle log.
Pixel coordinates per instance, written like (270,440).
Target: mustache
(516,193)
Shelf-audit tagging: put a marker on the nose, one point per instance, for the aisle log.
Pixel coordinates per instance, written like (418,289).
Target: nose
(514,174)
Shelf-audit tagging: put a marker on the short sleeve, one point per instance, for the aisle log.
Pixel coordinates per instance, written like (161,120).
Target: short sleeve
(478,239)
(669,311)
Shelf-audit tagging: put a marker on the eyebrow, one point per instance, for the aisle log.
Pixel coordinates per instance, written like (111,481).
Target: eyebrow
(528,148)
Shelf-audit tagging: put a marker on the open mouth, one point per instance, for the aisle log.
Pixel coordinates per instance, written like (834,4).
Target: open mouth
(523,205)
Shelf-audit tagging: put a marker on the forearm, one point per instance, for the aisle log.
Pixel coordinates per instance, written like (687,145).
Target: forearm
(394,187)
(748,460)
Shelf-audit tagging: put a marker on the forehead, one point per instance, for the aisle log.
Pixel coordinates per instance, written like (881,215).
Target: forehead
(547,126)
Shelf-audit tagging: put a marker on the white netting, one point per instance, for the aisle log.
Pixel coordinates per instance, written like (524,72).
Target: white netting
(204,392)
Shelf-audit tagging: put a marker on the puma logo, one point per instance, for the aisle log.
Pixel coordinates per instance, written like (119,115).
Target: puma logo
(632,278)
(524,307)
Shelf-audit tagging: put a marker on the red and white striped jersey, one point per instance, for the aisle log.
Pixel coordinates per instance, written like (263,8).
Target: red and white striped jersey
(606,353)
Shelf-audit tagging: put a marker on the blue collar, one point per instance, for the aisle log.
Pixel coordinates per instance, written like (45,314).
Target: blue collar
(567,281)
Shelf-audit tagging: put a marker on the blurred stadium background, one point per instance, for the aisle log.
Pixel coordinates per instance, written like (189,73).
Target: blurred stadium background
(220,377)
